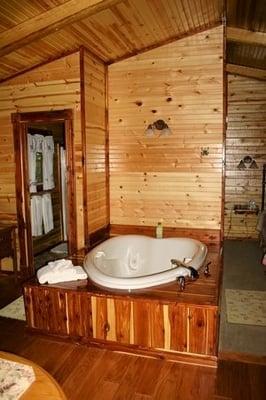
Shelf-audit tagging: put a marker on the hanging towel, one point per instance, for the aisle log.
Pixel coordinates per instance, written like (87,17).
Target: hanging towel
(36,215)
(48,163)
(47,213)
(32,162)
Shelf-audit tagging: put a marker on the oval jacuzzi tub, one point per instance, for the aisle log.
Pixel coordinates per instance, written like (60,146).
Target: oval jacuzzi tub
(135,262)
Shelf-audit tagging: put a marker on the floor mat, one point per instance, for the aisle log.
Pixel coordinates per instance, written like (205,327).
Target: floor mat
(59,249)
(14,310)
(246,307)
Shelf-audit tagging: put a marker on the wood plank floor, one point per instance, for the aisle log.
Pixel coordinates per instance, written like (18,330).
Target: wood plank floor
(96,374)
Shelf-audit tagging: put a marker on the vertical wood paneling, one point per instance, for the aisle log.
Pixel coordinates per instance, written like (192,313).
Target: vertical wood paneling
(165,177)
(174,326)
(212,331)
(178,325)
(95,143)
(54,86)
(123,312)
(157,325)
(197,330)
(79,314)
(100,318)
(245,136)
(142,329)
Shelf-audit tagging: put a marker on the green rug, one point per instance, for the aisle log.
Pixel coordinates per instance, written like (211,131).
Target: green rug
(14,310)
(246,307)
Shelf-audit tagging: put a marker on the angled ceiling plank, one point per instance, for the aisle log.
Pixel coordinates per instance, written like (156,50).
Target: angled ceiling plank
(245,36)
(49,22)
(246,71)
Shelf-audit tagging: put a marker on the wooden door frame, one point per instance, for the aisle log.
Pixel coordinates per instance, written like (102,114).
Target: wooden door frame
(20,122)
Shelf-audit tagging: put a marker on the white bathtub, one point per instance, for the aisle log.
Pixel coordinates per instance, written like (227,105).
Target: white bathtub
(135,261)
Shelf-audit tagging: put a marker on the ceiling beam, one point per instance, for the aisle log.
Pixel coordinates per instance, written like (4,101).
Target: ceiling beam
(246,71)
(49,22)
(245,36)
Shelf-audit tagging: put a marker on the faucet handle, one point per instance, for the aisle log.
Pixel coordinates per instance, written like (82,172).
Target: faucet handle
(207,270)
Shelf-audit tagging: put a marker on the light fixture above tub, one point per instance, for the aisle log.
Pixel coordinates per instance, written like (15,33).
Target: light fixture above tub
(159,125)
(247,162)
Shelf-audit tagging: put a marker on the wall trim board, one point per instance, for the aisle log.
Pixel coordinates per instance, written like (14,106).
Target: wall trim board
(242,357)
(224,127)
(107,144)
(95,142)
(84,145)
(43,116)
(208,236)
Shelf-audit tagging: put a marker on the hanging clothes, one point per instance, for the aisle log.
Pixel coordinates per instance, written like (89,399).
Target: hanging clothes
(35,149)
(63,190)
(48,163)
(36,216)
(47,213)
(32,162)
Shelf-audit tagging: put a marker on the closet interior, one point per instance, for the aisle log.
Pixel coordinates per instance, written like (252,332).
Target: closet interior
(47,189)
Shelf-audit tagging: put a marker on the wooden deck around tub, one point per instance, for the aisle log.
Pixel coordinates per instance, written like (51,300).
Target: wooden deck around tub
(160,321)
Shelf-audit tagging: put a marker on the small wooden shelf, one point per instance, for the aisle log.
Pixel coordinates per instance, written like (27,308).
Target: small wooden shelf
(245,209)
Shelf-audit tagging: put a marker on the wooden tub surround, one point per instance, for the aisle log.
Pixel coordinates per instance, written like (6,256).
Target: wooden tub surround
(160,321)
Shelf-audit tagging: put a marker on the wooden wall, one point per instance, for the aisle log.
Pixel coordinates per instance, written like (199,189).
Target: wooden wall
(245,136)
(96,207)
(166,178)
(54,86)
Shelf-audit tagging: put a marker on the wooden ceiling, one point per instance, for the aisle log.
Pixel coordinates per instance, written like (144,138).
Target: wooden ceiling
(246,34)
(36,31)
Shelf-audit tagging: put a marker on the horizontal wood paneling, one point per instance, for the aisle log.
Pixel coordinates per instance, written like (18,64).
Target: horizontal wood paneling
(54,86)
(209,237)
(96,141)
(166,178)
(245,136)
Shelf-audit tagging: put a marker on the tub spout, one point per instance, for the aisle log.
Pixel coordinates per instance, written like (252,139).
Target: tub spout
(181,282)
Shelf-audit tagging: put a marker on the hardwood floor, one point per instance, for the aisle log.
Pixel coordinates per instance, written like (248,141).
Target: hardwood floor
(96,374)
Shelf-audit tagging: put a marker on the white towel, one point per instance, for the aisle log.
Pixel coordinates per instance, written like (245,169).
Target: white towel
(47,213)
(60,271)
(36,215)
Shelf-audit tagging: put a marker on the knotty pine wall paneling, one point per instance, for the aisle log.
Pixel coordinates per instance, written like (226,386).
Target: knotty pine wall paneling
(245,136)
(53,86)
(165,178)
(96,197)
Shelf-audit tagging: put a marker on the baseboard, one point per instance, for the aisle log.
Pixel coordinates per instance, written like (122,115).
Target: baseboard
(242,357)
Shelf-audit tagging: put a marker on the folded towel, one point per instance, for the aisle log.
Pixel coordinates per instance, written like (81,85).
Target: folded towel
(60,271)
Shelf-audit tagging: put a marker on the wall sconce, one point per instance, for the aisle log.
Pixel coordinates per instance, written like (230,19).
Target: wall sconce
(159,125)
(247,162)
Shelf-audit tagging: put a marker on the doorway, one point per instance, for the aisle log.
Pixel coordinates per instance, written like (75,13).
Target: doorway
(43,143)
